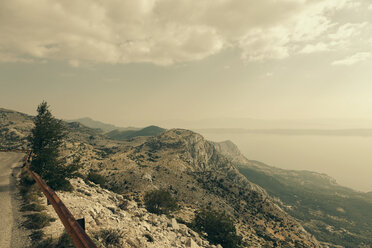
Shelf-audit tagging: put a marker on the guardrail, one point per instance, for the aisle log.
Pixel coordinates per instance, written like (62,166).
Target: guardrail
(77,234)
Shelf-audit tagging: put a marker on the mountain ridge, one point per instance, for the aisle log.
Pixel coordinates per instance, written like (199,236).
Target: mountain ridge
(331,212)
(194,170)
(118,134)
(89,122)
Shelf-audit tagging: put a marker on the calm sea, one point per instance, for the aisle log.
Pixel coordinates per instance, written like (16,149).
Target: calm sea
(348,159)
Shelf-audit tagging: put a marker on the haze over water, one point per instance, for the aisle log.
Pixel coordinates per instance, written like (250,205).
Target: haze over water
(348,159)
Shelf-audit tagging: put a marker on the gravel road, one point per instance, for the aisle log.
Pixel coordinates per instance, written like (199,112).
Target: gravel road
(11,234)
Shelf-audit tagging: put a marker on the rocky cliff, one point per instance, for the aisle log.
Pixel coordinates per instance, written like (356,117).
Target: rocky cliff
(198,175)
(333,213)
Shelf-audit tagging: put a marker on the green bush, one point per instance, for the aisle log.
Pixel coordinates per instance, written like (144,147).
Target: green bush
(64,241)
(96,178)
(30,193)
(46,243)
(123,204)
(109,237)
(32,207)
(37,235)
(160,202)
(37,220)
(28,188)
(218,227)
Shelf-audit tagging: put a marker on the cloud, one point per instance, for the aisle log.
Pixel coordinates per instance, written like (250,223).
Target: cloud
(351,60)
(348,30)
(11,58)
(312,48)
(339,37)
(162,32)
(74,63)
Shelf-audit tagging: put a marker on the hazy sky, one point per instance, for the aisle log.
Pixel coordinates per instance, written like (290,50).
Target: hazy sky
(131,62)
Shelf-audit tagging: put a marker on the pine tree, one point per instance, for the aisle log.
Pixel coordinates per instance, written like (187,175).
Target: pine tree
(46,139)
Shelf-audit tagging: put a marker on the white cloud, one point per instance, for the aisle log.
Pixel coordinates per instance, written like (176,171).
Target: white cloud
(348,30)
(312,48)
(351,60)
(159,31)
(265,44)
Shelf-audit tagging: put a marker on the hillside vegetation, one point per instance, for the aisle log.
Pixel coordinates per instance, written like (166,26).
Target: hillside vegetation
(118,134)
(327,210)
(195,172)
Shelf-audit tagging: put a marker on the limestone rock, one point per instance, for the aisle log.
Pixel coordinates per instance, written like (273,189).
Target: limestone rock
(191,243)
(174,224)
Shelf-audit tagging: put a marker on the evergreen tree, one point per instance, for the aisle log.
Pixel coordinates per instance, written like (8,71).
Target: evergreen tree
(46,139)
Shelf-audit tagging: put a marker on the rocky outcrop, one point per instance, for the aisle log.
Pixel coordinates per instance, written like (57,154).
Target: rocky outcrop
(105,210)
(198,175)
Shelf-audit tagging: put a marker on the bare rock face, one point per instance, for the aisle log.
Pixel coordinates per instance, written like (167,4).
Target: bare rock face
(231,151)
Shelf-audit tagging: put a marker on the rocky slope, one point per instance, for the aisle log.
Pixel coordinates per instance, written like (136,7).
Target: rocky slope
(14,128)
(105,210)
(196,173)
(199,176)
(331,212)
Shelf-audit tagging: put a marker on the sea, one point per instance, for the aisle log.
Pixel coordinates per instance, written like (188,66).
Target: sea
(348,159)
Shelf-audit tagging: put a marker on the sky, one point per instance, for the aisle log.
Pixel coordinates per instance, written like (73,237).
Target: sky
(184,62)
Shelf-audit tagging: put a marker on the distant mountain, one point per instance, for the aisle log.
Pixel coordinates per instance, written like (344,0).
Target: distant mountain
(118,134)
(86,121)
(332,213)
(16,126)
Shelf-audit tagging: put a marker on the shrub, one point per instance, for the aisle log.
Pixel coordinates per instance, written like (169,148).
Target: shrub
(37,220)
(218,227)
(31,193)
(160,202)
(109,237)
(123,204)
(28,188)
(96,178)
(46,243)
(64,241)
(37,235)
(32,207)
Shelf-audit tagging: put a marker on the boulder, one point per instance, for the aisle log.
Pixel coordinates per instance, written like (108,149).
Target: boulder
(191,243)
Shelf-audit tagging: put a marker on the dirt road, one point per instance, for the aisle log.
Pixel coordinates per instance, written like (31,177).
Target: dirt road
(10,234)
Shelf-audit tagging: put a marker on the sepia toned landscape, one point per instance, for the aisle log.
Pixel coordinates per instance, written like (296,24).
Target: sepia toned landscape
(185,124)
